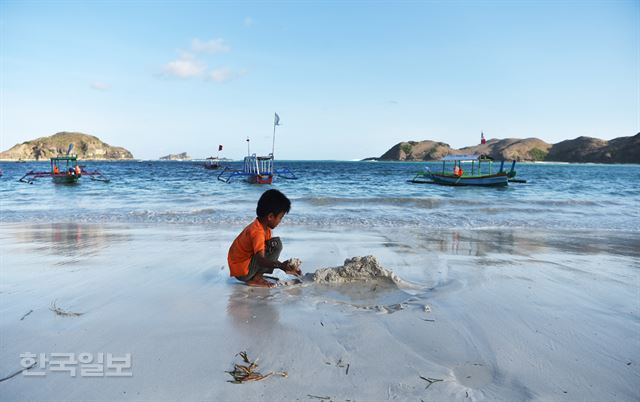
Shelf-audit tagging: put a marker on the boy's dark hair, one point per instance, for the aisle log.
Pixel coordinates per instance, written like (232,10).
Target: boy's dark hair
(272,202)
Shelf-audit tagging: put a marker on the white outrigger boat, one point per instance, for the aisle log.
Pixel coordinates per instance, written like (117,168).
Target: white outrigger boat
(258,169)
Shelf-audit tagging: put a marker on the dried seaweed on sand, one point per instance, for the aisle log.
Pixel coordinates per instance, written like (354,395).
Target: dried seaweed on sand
(430,380)
(245,373)
(24,316)
(18,372)
(60,311)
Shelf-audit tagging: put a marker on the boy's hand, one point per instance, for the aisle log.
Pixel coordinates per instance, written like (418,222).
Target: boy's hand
(292,266)
(294,271)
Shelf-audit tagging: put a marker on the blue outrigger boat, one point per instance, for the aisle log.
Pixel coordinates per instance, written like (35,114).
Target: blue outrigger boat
(258,169)
(479,172)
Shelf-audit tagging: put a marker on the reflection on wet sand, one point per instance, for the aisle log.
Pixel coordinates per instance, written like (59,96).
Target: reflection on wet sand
(252,309)
(475,243)
(518,242)
(372,295)
(256,310)
(67,239)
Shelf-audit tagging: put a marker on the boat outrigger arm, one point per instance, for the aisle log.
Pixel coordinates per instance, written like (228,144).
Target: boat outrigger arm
(95,175)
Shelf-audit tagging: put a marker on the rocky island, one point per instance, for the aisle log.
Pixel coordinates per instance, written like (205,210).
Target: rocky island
(587,149)
(176,157)
(579,150)
(86,147)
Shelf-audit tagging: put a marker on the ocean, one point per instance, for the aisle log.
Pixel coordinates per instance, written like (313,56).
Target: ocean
(331,193)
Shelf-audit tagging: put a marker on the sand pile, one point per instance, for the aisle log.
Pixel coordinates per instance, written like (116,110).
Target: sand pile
(356,269)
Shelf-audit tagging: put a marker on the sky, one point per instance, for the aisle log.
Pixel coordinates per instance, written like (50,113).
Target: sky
(349,79)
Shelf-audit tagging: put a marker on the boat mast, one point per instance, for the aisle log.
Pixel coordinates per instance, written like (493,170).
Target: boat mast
(276,122)
(273,145)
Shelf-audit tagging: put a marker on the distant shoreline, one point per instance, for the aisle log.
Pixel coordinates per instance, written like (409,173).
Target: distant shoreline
(582,149)
(314,161)
(79,160)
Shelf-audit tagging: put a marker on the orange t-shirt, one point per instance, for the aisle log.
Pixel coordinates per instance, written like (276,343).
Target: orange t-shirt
(248,243)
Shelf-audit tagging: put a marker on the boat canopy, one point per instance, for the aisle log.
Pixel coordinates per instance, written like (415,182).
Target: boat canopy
(461,158)
(65,158)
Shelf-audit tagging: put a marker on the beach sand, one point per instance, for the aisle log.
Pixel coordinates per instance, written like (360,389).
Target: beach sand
(479,315)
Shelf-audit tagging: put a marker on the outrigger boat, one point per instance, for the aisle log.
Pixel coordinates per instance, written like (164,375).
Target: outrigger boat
(212,163)
(474,176)
(65,170)
(258,169)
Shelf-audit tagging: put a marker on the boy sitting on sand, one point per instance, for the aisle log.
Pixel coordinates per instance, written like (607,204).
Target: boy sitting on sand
(254,252)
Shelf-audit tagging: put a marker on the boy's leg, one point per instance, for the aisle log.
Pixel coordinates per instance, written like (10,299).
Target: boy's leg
(273,248)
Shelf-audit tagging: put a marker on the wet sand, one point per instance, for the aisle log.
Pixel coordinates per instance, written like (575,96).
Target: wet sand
(495,315)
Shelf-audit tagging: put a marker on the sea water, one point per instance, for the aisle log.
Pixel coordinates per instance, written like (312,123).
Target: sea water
(331,193)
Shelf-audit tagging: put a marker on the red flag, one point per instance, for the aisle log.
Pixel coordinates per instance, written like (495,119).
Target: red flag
(219,148)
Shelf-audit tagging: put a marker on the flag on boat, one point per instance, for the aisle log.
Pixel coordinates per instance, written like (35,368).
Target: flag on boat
(276,120)
(219,147)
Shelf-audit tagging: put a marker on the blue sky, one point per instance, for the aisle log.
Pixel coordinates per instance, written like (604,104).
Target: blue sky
(348,79)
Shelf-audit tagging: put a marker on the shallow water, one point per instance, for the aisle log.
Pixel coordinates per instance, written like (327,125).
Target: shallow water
(357,194)
(512,314)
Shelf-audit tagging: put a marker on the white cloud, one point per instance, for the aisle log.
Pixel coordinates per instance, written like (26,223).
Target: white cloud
(248,21)
(100,86)
(188,64)
(185,67)
(211,46)
(222,74)
(225,74)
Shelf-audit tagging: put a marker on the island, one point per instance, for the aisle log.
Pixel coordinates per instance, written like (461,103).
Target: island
(579,150)
(85,146)
(176,157)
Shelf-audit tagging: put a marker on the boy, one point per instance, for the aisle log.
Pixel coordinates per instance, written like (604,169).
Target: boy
(254,252)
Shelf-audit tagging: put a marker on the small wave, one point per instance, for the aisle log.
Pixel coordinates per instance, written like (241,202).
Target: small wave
(172,213)
(568,202)
(437,202)
(489,216)
(395,201)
